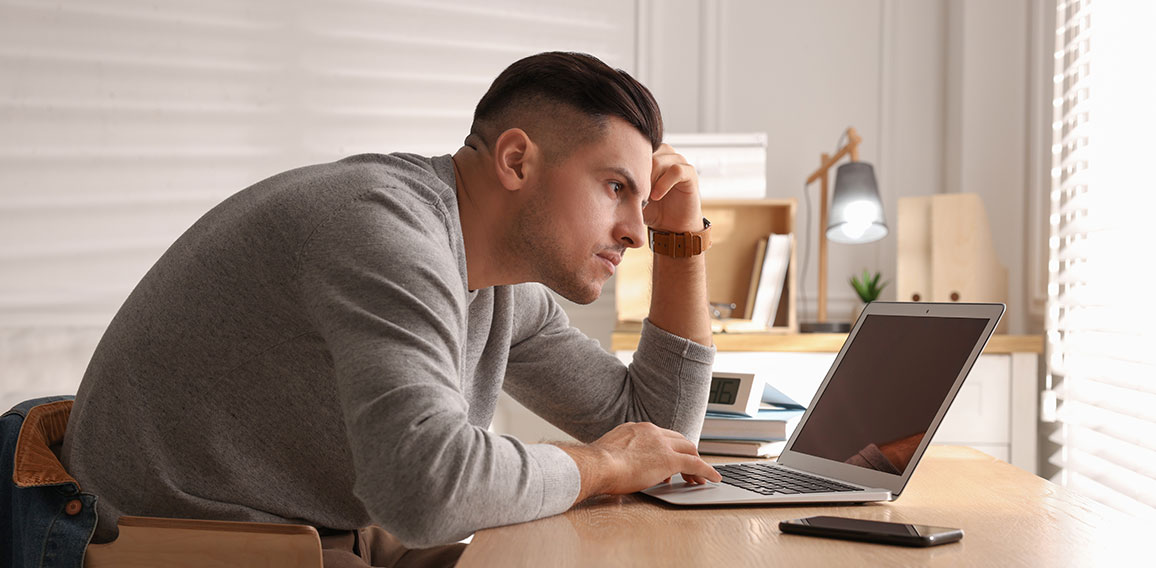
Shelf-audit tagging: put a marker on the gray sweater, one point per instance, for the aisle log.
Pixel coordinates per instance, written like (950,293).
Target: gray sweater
(309,352)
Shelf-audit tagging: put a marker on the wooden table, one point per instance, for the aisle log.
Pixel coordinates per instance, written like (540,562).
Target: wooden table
(1009,518)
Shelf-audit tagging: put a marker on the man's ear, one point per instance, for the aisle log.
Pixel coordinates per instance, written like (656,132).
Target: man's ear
(516,158)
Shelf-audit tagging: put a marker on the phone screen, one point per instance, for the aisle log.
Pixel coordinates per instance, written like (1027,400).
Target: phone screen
(872,531)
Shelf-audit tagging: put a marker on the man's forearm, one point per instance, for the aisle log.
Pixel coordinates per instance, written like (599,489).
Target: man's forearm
(678,300)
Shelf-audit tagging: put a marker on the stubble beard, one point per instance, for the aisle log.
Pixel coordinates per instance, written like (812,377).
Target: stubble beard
(534,240)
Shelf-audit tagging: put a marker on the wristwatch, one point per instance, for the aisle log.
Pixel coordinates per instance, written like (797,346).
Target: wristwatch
(681,245)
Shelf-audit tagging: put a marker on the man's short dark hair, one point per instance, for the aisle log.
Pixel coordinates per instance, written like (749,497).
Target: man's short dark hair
(551,86)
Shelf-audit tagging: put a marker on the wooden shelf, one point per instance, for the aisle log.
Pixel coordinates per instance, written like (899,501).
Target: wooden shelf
(625,338)
(737,225)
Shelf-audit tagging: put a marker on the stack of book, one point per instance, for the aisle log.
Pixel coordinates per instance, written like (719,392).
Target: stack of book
(736,435)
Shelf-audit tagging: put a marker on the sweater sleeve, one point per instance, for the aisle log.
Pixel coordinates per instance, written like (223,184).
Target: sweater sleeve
(384,289)
(568,379)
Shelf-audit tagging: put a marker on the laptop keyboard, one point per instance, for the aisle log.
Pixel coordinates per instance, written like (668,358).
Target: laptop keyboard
(770,479)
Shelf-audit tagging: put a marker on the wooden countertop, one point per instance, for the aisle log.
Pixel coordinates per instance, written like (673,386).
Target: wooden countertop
(1009,518)
(625,338)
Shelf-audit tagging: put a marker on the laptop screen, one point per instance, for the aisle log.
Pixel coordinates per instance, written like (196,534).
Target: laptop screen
(888,388)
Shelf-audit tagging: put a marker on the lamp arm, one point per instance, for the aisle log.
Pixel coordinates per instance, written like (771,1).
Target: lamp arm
(851,147)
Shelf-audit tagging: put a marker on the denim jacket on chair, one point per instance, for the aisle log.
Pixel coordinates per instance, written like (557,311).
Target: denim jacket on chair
(46,521)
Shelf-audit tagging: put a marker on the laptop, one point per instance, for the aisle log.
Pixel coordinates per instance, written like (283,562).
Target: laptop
(873,416)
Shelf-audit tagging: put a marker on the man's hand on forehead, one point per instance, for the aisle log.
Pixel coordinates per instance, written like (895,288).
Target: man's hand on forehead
(674,203)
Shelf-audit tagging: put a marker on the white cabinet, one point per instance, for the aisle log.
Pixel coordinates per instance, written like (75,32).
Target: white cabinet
(980,416)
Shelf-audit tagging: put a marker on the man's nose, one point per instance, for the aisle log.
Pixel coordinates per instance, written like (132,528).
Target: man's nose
(631,230)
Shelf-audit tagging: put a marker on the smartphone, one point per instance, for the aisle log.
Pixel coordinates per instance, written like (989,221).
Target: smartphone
(871,531)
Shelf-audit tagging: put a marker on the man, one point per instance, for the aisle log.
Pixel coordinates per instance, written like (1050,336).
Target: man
(327,346)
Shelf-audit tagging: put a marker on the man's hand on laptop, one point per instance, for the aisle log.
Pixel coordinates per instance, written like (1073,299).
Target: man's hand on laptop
(634,456)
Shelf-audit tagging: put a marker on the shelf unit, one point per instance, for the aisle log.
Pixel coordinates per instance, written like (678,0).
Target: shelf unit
(737,225)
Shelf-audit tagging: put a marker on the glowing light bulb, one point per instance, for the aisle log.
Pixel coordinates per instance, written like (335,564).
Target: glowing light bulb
(860,215)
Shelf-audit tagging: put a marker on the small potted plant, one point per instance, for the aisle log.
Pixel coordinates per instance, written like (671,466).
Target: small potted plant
(868,289)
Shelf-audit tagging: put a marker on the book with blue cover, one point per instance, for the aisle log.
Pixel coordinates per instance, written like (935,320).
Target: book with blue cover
(770,425)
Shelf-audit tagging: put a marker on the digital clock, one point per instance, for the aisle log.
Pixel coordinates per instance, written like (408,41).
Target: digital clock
(735,393)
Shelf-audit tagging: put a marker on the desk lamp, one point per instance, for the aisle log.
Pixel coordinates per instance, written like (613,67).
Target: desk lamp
(856,216)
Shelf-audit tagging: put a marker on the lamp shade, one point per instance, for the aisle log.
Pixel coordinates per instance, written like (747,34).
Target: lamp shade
(856,210)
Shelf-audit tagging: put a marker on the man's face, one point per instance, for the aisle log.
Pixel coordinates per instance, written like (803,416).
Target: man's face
(585,210)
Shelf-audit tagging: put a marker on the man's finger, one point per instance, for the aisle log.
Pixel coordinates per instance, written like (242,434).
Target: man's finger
(670,177)
(663,161)
(695,466)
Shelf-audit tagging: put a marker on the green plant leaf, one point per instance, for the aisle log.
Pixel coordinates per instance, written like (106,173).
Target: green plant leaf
(868,287)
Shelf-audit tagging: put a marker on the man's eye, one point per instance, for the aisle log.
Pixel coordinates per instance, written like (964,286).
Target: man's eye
(617,187)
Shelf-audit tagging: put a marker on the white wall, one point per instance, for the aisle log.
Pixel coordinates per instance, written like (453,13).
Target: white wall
(940,90)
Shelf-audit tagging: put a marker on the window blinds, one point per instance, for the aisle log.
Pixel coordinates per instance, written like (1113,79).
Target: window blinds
(1100,321)
(122,121)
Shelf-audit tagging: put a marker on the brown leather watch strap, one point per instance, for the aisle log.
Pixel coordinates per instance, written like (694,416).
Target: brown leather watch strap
(681,245)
